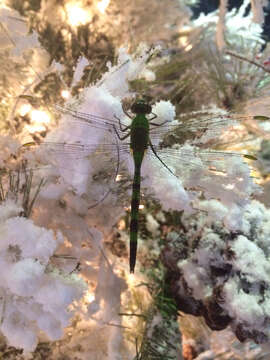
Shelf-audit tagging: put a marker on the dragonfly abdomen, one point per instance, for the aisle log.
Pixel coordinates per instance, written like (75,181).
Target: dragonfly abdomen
(134,221)
(139,139)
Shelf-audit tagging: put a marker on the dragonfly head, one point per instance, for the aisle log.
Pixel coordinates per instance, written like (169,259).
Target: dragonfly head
(141,107)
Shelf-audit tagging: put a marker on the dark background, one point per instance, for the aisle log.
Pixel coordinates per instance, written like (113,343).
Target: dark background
(207,6)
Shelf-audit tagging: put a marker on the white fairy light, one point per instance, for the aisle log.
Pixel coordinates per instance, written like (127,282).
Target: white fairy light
(141,206)
(76,14)
(39,119)
(102,5)
(65,94)
(121,225)
(183,40)
(184,36)
(24,109)
(118,177)
(89,297)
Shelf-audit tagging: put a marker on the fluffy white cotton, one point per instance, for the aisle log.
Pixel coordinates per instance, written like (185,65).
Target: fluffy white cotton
(167,188)
(234,263)
(50,325)
(8,146)
(35,296)
(151,224)
(33,241)
(243,306)
(246,251)
(53,191)
(27,275)
(127,69)
(164,110)
(82,63)
(9,209)
(214,208)
(19,332)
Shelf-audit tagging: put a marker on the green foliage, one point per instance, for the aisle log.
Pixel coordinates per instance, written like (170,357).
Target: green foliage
(25,6)
(18,186)
(161,338)
(3,116)
(261,118)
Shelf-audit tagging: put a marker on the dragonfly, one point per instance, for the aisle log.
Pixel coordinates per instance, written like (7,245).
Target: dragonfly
(141,139)
(138,132)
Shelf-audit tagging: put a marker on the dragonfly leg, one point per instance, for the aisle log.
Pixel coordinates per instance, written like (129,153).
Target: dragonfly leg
(155,116)
(152,117)
(162,162)
(126,113)
(164,122)
(123,129)
(119,137)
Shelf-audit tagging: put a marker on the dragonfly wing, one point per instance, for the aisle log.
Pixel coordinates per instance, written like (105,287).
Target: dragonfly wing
(194,128)
(90,169)
(99,111)
(219,175)
(87,120)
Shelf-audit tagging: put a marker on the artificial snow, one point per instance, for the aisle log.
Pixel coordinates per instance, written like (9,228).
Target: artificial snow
(232,271)
(35,296)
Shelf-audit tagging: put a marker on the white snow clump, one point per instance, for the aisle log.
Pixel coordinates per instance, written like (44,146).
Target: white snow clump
(34,295)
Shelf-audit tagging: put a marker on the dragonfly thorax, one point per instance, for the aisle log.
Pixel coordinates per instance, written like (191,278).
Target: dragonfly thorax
(141,107)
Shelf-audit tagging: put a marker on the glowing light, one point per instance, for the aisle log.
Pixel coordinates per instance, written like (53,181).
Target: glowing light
(217,172)
(183,40)
(229,186)
(76,14)
(67,243)
(65,94)
(102,5)
(39,118)
(184,33)
(35,128)
(89,297)
(3,4)
(131,280)
(24,109)
(141,206)
(121,225)
(118,177)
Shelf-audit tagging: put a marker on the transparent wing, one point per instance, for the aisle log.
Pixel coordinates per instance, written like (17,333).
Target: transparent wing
(91,169)
(96,165)
(220,175)
(91,120)
(197,127)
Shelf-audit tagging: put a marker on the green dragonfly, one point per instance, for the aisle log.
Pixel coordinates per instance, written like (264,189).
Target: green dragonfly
(143,139)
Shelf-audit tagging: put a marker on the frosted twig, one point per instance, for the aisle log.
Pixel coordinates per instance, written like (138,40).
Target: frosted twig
(240,57)
(3,310)
(63,256)
(131,314)
(221,24)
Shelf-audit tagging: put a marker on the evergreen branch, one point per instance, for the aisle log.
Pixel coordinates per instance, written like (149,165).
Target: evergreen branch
(240,57)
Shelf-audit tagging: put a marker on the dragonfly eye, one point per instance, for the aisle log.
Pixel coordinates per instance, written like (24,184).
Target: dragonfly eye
(141,107)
